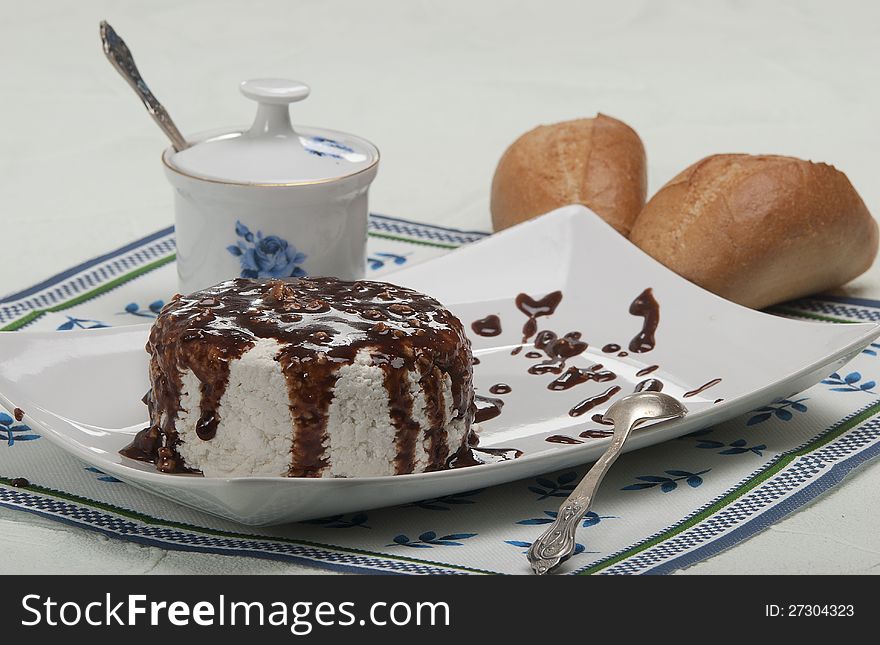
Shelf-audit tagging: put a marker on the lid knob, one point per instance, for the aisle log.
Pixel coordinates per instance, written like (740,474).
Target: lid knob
(273,95)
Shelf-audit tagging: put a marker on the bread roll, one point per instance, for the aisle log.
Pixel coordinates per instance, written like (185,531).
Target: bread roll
(598,162)
(759,229)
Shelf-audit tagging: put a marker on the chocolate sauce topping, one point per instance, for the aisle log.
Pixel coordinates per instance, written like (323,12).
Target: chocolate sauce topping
(321,324)
(500,388)
(610,348)
(598,418)
(435,409)
(534,354)
(488,326)
(649,385)
(534,309)
(588,404)
(646,306)
(704,386)
(561,438)
(576,375)
(401,409)
(18,413)
(647,370)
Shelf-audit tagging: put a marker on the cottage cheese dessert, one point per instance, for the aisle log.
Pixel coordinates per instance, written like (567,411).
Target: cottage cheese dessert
(313,377)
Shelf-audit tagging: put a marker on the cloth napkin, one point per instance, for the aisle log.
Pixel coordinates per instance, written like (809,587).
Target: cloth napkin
(659,509)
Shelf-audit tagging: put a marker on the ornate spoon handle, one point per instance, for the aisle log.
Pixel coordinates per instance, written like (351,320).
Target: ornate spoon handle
(120,57)
(557,542)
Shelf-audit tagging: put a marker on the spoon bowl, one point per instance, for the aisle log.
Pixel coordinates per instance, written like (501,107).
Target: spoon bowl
(643,407)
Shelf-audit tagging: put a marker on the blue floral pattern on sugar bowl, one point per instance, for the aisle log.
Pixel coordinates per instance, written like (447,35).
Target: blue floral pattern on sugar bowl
(266,256)
(326,147)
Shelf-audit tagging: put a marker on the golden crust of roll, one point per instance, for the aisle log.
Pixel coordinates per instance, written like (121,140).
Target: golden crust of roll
(759,230)
(598,162)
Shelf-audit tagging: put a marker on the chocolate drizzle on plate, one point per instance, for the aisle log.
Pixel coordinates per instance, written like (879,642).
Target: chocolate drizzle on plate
(576,375)
(704,386)
(488,326)
(596,434)
(646,306)
(471,456)
(486,408)
(320,324)
(647,370)
(534,309)
(500,388)
(598,418)
(610,348)
(558,350)
(18,413)
(649,385)
(588,404)
(19,482)
(561,438)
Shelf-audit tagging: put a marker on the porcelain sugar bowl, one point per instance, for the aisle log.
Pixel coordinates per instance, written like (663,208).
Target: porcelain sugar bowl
(273,201)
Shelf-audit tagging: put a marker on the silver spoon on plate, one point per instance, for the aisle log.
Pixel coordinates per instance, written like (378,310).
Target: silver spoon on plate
(120,57)
(558,542)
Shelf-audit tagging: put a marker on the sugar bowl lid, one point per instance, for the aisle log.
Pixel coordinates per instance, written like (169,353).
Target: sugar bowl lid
(272,152)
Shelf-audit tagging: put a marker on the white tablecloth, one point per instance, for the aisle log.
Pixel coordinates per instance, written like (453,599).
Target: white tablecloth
(442,89)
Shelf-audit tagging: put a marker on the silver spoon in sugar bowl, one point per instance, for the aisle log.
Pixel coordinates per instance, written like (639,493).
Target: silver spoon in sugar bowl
(558,542)
(120,57)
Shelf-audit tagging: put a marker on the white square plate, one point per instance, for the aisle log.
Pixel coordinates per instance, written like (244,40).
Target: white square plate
(83,389)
